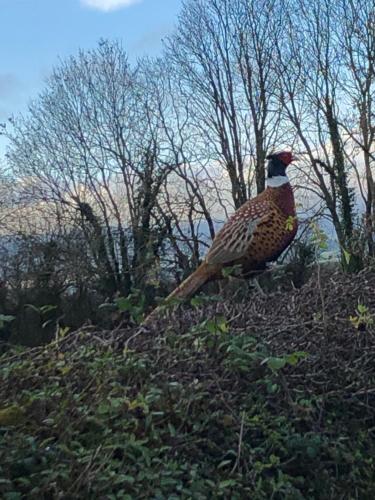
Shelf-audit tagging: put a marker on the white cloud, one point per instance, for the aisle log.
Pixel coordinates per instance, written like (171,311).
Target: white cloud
(108,5)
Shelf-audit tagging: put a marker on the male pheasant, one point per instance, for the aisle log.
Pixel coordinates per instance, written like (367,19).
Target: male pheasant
(257,233)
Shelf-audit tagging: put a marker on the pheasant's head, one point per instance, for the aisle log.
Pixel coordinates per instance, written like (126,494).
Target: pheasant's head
(278,162)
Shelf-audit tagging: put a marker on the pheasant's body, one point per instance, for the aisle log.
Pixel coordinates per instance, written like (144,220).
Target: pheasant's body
(257,233)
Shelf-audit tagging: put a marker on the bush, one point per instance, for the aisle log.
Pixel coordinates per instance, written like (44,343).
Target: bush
(264,398)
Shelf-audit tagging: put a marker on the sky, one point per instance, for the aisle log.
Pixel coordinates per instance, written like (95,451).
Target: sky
(36,34)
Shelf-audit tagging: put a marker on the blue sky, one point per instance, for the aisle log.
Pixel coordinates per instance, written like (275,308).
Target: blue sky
(34,34)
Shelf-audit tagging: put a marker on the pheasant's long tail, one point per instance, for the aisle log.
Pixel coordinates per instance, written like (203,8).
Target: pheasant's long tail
(187,289)
(192,283)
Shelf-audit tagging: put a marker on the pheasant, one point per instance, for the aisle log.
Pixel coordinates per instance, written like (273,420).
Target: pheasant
(257,233)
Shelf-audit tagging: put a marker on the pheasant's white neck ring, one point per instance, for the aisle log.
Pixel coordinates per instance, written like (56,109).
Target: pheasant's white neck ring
(277,181)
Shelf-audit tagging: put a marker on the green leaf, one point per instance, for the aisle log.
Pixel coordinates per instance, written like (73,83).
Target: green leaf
(362,309)
(107,305)
(5,318)
(197,301)
(123,304)
(33,308)
(104,408)
(46,323)
(227,483)
(41,310)
(216,325)
(126,478)
(223,325)
(231,271)
(272,388)
(276,363)
(211,326)
(293,358)
(47,308)
(224,463)
(289,224)
(347,256)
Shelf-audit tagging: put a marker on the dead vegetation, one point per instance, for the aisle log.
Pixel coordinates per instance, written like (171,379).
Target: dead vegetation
(268,396)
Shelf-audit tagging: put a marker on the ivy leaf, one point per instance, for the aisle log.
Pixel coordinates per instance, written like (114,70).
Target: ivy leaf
(276,364)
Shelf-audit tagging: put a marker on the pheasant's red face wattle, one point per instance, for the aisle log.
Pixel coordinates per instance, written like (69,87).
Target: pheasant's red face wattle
(286,157)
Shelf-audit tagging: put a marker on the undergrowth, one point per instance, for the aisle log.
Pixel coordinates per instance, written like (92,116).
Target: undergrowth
(268,399)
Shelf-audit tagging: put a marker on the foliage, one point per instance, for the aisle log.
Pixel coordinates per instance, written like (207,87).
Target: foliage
(5,318)
(133,305)
(221,402)
(363,318)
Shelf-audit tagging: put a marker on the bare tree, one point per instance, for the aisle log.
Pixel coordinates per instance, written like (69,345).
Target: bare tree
(256,25)
(309,75)
(190,197)
(222,53)
(91,142)
(357,37)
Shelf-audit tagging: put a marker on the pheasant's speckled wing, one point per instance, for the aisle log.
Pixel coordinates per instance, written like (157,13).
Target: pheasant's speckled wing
(233,240)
